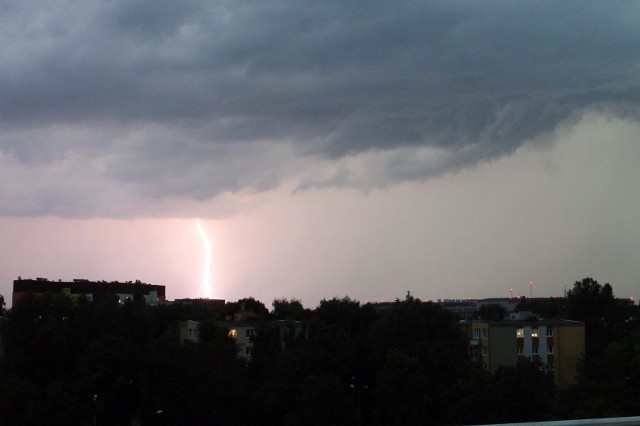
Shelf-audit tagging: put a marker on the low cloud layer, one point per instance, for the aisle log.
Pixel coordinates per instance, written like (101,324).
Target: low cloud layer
(110,106)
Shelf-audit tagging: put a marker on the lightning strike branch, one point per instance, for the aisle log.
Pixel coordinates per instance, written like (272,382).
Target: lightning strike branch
(205,288)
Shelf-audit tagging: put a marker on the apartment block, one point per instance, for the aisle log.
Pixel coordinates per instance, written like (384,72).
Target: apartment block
(88,289)
(556,344)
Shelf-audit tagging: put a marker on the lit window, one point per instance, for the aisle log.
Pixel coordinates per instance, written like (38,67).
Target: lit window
(534,332)
(519,332)
(549,331)
(233,333)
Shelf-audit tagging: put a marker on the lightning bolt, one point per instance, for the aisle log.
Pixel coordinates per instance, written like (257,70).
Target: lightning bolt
(205,288)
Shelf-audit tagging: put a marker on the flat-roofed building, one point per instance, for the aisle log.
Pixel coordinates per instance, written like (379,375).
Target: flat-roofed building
(508,303)
(557,344)
(464,308)
(89,289)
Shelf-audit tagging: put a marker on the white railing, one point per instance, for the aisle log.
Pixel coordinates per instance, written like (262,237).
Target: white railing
(610,421)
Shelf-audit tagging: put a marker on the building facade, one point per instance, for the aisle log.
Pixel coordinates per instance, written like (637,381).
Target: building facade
(556,344)
(243,332)
(89,289)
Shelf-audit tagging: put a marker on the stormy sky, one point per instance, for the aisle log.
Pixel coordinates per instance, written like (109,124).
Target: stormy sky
(449,148)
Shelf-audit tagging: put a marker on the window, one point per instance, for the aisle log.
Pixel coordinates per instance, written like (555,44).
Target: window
(476,333)
(519,332)
(247,350)
(484,333)
(534,349)
(550,366)
(550,349)
(250,332)
(484,351)
(233,333)
(549,331)
(519,350)
(534,332)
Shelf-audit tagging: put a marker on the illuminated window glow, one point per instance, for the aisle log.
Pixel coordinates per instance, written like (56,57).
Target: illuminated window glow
(233,333)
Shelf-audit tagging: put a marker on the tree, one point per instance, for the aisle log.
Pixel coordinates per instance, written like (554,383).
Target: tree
(548,308)
(247,304)
(110,368)
(595,305)
(17,398)
(492,312)
(338,311)
(322,400)
(524,392)
(609,385)
(402,392)
(589,299)
(284,309)
(427,334)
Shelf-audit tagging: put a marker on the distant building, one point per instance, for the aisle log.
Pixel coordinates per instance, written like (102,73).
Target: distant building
(89,289)
(508,303)
(464,308)
(189,331)
(557,344)
(3,321)
(217,303)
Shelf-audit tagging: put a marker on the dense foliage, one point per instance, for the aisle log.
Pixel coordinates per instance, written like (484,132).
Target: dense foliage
(110,363)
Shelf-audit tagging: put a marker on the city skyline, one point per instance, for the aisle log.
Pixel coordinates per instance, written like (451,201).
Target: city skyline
(447,148)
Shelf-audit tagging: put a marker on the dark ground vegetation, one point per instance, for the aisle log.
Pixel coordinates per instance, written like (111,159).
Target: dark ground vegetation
(107,363)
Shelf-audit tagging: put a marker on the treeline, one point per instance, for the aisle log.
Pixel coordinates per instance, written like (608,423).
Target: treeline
(109,363)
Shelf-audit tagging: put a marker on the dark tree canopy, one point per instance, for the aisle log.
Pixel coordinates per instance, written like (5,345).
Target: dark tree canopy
(73,361)
(492,312)
(595,305)
(588,300)
(284,309)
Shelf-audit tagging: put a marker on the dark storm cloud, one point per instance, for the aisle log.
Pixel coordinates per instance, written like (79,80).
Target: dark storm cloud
(197,97)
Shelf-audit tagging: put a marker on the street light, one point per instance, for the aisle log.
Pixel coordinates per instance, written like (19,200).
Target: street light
(95,408)
(353,386)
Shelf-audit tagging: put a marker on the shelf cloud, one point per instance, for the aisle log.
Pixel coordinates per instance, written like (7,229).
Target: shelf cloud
(127,108)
